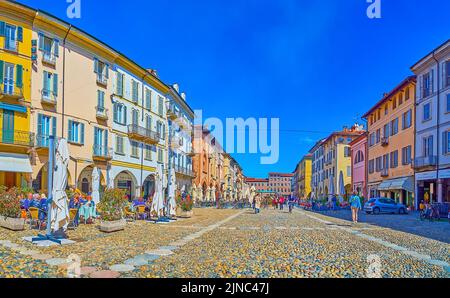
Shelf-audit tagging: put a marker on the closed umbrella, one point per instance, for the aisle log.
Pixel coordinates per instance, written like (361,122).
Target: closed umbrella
(158,199)
(341,186)
(172,186)
(330,188)
(59,211)
(95,186)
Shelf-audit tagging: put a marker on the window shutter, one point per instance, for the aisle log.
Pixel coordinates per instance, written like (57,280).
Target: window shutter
(95,65)
(444,143)
(2,64)
(56,47)
(107,71)
(39,124)
(19,76)
(20,34)
(2,28)
(119,84)
(106,142)
(55,84)
(41,42)
(69,131)
(82,133)
(54,126)
(421,86)
(115,117)
(124,115)
(432,81)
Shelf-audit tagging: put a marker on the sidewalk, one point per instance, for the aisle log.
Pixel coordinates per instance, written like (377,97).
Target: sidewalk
(409,223)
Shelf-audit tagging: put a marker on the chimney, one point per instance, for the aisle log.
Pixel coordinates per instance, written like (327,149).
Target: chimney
(176,87)
(183,96)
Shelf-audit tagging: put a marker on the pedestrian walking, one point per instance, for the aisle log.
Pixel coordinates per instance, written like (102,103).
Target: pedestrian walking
(281,203)
(355,204)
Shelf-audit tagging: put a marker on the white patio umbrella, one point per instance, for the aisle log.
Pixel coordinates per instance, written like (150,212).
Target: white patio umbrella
(59,211)
(341,186)
(158,199)
(330,188)
(95,185)
(172,186)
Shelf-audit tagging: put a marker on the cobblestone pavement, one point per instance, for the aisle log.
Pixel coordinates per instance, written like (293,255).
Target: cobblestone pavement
(409,223)
(231,243)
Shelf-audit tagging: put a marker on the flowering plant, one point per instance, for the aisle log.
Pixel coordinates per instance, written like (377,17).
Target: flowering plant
(112,204)
(185,204)
(10,202)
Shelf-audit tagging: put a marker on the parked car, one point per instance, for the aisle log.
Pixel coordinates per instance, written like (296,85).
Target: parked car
(384,205)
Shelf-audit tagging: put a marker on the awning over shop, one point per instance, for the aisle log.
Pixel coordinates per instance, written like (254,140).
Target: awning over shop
(10,162)
(405,183)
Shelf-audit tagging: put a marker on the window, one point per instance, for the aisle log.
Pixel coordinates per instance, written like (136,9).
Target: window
(406,155)
(100,141)
(372,139)
(386,130)
(448,103)
(428,146)
(76,132)
(378,135)
(378,165)
(394,127)
(148,152)
(50,85)
(347,152)
(446,142)
(134,149)
(134,117)
(102,71)
(12,36)
(426,112)
(427,84)
(100,101)
(160,155)
(371,166)
(386,109)
(134,91)
(406,119)
(394,103)
(359,157)
(400,98)
(119,145)
(119,84)
(349,171)
(148,122)
(447,73)
(148,98)
(385,161)
(46,126)
(120,113)
(160,106)
(394,159)
(407,95)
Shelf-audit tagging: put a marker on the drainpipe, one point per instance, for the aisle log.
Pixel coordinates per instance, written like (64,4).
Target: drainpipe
(142,144)
(437,128)
(64,80)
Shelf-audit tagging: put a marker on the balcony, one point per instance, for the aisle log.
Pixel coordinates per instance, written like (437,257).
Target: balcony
(143,134)
(49,58)
(101,113)
(425,161)
(10,91)
(102,153)
(184,171)
(384,172)
(172,112)
(12,46)
(48,97)
(384,141)
(102,79)
(42,141)
(17,138)
(176,142)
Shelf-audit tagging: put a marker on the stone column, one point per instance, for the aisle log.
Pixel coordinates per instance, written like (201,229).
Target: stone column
(439,190)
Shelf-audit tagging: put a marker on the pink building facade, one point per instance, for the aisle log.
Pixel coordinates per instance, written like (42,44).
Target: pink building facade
(359,165)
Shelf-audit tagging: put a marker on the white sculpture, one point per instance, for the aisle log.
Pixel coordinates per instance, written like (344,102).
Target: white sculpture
(172,187)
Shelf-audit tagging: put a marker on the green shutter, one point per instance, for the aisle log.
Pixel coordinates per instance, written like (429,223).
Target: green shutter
(444,143)
(69,130)
(124,115)
(41,42)
(95,65)
(19,76)
(107,70)
(20,34)
(39,125)
(2,64)
(54,126)
(55,84)
(82,133)
(56,47)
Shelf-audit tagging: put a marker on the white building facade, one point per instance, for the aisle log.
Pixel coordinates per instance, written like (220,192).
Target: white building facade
(432,140)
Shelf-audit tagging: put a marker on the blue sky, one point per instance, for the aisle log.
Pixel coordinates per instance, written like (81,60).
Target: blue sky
(315,65)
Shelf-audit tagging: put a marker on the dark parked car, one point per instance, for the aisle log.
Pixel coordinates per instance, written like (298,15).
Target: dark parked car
(384,205)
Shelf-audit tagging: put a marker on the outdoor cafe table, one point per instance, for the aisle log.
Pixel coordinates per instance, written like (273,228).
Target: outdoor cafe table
(87,211)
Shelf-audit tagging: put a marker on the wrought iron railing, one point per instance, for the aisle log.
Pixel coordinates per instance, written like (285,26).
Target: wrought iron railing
(102,151)
(425,161)
(143,132)
(17,137)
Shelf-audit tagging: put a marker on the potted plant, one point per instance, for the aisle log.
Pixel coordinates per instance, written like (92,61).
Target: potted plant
(185,204)
(112,207)
(10,212)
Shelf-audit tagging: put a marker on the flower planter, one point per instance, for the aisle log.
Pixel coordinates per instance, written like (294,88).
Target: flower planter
(186,214)
(15,224)
(112,226)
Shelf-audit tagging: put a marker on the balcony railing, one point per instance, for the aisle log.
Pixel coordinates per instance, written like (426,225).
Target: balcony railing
(172,112)
(48,97)
(42,140)
(384,141)
(142,133)
(12,46)
(184,171)
(101,113)
(49,58)
(17,137)
(102,152)
(425,161)
(102,79)
(384,172)
(176,142)
(10,91)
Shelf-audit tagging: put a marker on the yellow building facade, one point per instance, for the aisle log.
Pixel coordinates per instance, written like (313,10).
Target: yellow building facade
(15,92)
(304,176)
